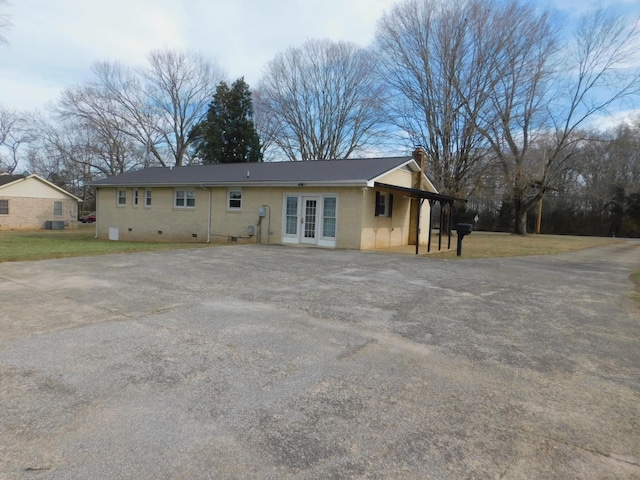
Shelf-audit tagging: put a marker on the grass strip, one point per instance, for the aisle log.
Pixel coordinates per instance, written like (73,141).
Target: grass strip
(44,244)
(494,245)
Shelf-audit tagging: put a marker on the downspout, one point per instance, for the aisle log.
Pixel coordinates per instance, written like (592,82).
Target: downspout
(96,222)
(419,201)
(209,214)
(209,217)
(450,221)
(268,224)
(431,202)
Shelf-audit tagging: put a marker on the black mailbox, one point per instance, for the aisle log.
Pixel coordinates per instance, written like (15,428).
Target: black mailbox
(462,229)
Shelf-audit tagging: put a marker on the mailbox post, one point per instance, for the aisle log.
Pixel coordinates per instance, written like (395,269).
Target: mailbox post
(462,229)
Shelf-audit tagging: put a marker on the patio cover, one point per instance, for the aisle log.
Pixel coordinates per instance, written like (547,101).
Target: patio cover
(432,197)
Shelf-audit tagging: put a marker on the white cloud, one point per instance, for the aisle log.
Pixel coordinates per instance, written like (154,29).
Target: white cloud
(609,121)
(53,43)
(244,35)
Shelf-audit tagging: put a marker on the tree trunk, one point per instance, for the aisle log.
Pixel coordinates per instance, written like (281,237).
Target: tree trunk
(519,212)
(520,224)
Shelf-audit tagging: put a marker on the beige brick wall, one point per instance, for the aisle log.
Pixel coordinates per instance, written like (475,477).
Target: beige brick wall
(382,232)
(159,222)
(357,227)
(180,224)
(32,213)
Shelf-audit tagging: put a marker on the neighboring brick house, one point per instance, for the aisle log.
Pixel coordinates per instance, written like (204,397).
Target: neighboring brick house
(356,203)
(31,202)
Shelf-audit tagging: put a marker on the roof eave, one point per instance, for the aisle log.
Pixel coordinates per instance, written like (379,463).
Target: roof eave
(242,183)
(40,179)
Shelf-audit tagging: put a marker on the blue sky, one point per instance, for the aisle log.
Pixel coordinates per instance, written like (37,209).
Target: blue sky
(53,43)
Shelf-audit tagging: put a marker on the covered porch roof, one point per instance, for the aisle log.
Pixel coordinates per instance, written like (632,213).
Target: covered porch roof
(432,197)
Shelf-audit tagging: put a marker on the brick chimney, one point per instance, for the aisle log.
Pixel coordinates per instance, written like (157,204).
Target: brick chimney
(420,156)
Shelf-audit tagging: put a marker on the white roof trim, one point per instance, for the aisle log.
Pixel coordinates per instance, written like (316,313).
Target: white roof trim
(412,165)
(39,178)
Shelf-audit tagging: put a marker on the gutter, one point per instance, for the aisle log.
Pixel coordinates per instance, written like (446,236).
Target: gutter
(209,216)
(96,222)
(267,183)
(209,213)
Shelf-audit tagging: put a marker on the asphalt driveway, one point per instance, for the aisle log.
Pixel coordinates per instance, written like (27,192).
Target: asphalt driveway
(271,362)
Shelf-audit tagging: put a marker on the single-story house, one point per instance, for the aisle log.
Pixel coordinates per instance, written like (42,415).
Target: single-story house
(355,203)
(31,202)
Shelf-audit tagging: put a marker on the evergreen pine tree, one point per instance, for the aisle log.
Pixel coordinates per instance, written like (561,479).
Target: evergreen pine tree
(227,134)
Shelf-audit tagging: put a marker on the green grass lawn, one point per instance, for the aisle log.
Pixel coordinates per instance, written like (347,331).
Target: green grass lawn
(42,244)
(636,279)
(493,245)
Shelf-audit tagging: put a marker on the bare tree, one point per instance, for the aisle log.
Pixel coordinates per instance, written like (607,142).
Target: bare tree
(470,78)
(5,22)
(607,169)
(518,107)
(155,107)
(178,88)
(73,151)
(437,59)
(322,100)
(267,127)
(118,98)
(542,90)
(14,137)
(90,120)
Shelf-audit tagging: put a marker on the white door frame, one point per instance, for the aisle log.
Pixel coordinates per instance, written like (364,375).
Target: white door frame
(299,236)
(310,219)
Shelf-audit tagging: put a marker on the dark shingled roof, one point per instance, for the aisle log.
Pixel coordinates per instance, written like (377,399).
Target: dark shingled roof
(4,179)
(347,172)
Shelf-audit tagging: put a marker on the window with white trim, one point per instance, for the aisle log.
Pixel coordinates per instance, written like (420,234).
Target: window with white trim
(384,204)
(234,199)
(291,214)
(4,207)
(135,197)
(57,208)
(122,198)
(147,198)
(185,199)
(329,214)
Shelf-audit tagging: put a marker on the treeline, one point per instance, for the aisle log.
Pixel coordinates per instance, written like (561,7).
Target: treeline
(498,93)
(597,193)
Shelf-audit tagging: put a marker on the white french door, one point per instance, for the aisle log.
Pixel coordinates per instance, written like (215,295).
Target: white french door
(310,220)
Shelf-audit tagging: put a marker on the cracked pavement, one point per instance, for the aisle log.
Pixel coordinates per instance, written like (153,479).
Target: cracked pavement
(273,362)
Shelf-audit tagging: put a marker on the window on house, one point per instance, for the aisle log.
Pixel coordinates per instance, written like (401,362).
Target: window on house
(4,207)
(122,198)
(384,204)
(147,198)
(185,198)
(234,199)
(57,208)
(329,212)
(292,216)
(135,197)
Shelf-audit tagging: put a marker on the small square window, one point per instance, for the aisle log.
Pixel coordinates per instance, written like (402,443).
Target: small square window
(4,207)
(234,199)
(57,208)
